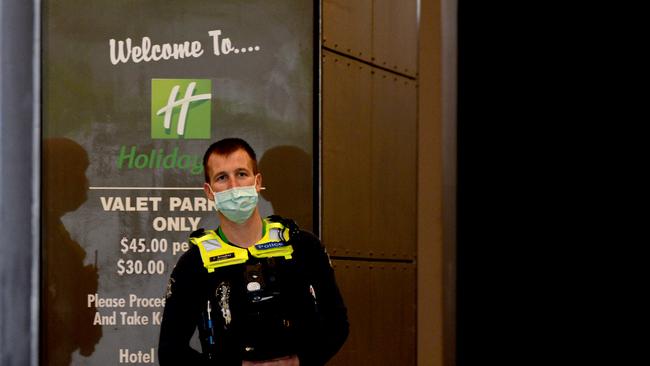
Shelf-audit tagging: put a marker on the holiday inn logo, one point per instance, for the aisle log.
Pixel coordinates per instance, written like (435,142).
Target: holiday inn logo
(181,108)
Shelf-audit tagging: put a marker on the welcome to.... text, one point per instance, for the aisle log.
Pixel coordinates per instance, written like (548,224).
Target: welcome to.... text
(126,51)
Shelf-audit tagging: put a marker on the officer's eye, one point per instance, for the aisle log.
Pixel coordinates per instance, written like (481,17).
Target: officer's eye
(220,177)
(242,174)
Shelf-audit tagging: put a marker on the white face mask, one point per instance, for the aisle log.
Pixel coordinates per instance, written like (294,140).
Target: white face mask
(236,204)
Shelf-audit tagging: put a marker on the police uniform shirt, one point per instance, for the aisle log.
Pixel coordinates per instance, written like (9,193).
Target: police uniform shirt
(276,298)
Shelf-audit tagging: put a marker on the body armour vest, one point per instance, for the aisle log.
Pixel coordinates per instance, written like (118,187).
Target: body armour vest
(256,297)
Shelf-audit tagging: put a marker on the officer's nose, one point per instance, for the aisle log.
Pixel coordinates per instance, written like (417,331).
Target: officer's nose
(232,182)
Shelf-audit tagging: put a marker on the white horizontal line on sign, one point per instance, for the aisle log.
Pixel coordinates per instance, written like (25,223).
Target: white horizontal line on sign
(155,188)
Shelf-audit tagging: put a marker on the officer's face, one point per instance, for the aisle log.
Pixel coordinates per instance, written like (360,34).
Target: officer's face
(228,171)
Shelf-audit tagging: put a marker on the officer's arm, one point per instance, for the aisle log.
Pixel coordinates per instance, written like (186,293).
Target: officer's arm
(334,321)
(180,314)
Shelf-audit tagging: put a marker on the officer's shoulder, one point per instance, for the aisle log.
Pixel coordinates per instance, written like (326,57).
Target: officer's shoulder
(202,234)
(308,237)
(193,251)
(193,254)
(198,233)
(307,246)
(188,263)
(294,230)
(284,221)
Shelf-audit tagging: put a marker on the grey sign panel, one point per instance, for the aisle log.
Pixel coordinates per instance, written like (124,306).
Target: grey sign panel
(133,94)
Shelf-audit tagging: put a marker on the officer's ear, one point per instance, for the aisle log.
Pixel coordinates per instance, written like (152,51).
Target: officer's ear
(258,182)
(208,191)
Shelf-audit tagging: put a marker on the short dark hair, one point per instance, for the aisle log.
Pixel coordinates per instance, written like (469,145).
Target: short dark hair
(226,147)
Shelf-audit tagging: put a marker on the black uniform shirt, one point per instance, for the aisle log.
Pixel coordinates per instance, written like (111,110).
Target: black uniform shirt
(320,335)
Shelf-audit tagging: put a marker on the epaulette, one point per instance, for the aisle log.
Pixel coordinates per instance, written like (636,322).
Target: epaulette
(287,223)
(197,233)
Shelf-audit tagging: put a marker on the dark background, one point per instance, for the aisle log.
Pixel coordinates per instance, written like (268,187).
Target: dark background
(507,224)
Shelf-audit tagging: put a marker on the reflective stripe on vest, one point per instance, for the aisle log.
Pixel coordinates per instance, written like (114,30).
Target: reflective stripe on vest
(216,253)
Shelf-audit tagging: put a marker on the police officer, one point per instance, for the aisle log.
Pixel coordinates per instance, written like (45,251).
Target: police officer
(260,291)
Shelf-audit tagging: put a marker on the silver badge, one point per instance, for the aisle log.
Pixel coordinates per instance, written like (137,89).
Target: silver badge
(253,286)
(223,292)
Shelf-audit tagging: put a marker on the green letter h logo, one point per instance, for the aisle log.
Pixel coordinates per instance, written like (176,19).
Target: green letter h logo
(192,121)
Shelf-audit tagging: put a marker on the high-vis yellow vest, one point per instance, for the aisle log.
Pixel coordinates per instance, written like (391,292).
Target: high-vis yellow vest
(216,252)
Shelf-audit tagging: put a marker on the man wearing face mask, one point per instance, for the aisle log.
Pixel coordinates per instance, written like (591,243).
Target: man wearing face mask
(260,291)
